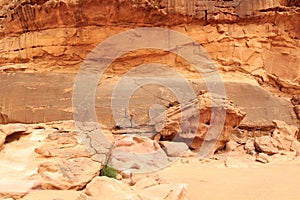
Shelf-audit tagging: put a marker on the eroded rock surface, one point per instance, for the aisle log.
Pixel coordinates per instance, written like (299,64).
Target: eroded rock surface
(49,156)
(134,154)
(183,122)
(284,137)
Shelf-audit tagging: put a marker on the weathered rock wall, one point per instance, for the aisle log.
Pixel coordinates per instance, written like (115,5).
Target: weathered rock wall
(257,39)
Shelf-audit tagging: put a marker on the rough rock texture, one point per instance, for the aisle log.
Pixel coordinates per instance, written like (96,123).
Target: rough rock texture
(296,102)
(174,149)
(254,44)
(9,130)
(144,189)
(49,156)
(133,154)
(284,137)
(266,144)
(181,122)
(258,39)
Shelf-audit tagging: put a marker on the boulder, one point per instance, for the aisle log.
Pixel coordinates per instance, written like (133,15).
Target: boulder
(174,149)
(263,158)
(65,174)
(135,154)
(182,124)
(231,146)
(249,146)
(266,144)
(108,188)
(239,136)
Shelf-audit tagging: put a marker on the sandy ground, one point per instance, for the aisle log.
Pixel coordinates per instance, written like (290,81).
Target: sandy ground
(212,179)
(215,181)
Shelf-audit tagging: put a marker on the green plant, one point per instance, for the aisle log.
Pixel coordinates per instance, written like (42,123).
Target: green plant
(109,172)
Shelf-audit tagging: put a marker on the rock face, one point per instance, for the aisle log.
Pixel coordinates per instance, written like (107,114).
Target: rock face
(253,43)
(227,30)
(181,122)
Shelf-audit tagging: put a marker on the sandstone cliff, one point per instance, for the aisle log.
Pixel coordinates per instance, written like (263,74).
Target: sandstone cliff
(250,41)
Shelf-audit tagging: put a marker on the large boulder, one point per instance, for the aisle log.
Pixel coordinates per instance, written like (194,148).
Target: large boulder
(134,154)
(193,124)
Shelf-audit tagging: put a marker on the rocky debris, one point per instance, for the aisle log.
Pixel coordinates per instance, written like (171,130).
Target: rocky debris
(231,162)
(284,137)
(194,132)
(296,102)
(296,99)
(134,154)
(239,136)
(174,149)
(107,188)
(263,158)
(297,111)
(266,144)
(249,146)
(231,146)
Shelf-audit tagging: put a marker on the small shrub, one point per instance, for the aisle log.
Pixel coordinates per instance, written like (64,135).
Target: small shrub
(109,172)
